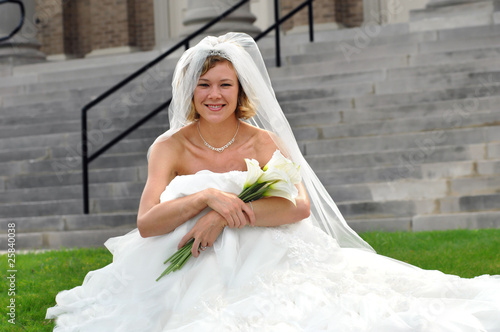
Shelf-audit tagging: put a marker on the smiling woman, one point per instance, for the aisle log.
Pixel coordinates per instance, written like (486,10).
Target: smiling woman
(269,266)
(245,110)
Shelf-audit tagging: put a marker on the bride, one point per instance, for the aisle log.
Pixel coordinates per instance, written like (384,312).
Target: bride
(267,265)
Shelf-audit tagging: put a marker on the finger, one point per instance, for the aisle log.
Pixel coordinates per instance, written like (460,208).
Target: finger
(230,221)
(184,240)
(203,247)
(196,245)
(251,215)
(242,220)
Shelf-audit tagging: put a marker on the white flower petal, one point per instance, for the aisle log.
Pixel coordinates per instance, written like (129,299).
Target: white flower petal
(282,189)
(274,174)
(278,161)
(254,172)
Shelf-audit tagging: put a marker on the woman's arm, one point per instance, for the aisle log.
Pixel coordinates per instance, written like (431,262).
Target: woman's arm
(269,211)
(155,218)
(275,211)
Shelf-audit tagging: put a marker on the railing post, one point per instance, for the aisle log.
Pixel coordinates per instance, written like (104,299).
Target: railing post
(277,32)
(85,163)
(311,21)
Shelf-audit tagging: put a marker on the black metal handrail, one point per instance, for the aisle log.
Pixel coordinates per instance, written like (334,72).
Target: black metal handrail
(86,159)
(21,20)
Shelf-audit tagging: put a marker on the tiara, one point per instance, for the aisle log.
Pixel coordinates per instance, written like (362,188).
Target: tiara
(219,53)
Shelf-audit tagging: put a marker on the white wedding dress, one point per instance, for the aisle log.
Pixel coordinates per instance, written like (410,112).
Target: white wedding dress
(287,278)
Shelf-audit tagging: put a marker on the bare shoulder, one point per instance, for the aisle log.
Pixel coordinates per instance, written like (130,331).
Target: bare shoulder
(168,154)
(264,142)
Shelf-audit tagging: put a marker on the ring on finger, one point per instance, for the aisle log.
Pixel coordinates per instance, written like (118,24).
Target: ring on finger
(202,248)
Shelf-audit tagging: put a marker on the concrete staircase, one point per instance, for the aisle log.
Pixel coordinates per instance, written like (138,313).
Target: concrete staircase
(403,130)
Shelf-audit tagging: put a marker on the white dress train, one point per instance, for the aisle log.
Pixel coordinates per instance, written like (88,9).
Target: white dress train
(286,278)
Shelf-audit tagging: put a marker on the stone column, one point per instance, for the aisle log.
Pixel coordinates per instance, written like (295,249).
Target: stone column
(23,47)
(200,12)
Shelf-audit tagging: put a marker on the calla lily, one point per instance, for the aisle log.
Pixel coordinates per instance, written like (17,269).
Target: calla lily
(282,189)
(254,172)
(278,161)
(273,175)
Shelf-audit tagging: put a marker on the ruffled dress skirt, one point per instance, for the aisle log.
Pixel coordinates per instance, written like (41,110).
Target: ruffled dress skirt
(286,278)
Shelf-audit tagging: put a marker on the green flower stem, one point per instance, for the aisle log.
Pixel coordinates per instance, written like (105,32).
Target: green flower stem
(178,259)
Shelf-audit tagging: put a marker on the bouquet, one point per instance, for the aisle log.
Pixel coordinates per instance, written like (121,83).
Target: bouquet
(278,178)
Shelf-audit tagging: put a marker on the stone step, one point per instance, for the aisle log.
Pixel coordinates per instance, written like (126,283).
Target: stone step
(478,185)
(460,13)
(463,108)
(133,94)
(402,224)
(25,154)
(467,33)
(95,137)
(147,80)
(349,52)
(96,190)
(413,72)
(72,222)
(407,190)
(69,111)
(426,171)
(341,91)
(337,67)
(405,159)
(490,167)
(457,94)
(445,58)
(472,203)
(387,31)
(437,82)
(73,176)
(468,220)
(363,46)
(309,82)
(379,210)
(65,239)
(397,66)
(309,126)
(426,141)
(437,222)
(458,45)
(72,125)
(69,206)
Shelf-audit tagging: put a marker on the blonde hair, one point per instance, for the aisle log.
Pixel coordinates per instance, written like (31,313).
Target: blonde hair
(244,109)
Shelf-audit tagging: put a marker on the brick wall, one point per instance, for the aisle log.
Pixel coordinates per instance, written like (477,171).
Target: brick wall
(49,23)
(141,24)
(349,12)
(109,23)
(77,27)
(323,12)
(77,41)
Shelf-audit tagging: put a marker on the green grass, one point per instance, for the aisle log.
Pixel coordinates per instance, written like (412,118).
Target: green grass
(467,253)
(42,275)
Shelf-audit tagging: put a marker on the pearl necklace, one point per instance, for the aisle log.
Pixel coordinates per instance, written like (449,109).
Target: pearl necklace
(223,147)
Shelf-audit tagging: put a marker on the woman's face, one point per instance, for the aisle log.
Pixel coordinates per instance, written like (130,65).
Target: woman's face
(216,95)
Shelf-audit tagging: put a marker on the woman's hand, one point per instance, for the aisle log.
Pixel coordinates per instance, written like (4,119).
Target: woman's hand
(230,207)
(206,230)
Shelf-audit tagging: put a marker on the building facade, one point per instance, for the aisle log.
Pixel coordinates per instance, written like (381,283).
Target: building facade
(65,29)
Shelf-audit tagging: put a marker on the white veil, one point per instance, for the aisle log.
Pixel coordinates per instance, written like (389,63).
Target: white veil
(242,51)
